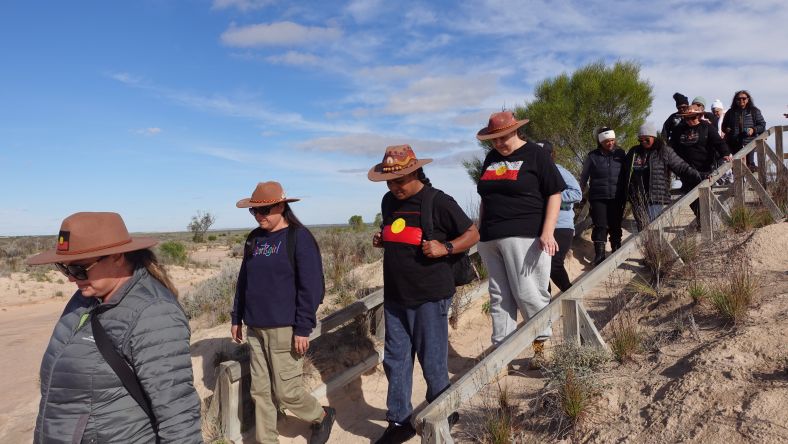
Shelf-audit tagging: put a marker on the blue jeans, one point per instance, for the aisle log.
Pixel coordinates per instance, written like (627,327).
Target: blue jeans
(421,331)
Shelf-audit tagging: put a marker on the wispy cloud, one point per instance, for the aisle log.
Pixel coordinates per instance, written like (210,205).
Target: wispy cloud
(374,144)
(365,10)
(233,155)
(432,94)
(295,58)
(124,77)
(278,34)
(242,5)
(148,131)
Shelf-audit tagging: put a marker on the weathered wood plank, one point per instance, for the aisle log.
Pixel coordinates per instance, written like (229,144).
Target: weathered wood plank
(738,182)
(437,433)
(760,152)
(570,320)
(230,411)
(348,375)
(588,330)
(704,198)
(775,211)
(770,153)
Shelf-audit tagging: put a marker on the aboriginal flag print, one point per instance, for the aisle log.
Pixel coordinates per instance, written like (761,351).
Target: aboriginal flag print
(400,232)
(502,170)
(62,241)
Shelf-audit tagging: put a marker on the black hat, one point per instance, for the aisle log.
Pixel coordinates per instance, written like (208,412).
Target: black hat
(680,99)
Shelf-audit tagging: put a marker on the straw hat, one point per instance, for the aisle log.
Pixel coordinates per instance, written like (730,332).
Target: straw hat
(500,123)
(265,194)
(692,110)
(87,235)
(398,161)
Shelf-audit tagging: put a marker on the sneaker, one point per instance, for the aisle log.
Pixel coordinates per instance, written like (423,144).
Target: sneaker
(537,362)
(322,430)
(396,434)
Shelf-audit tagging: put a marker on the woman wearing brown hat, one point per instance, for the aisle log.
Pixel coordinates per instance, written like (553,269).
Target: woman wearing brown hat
(117,368)
(520,188)
(423,230)
(279,288)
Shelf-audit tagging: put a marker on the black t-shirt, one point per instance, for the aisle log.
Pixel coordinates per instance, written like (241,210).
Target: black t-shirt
(514,191)
(409,277)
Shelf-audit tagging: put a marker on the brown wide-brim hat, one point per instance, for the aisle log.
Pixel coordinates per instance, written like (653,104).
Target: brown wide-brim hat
(86,235)
(692,110)
(264,195)
(398,161)
(500,124)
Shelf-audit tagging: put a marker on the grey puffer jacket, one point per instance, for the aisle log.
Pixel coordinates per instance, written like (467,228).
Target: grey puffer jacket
(661,161)
(82,399)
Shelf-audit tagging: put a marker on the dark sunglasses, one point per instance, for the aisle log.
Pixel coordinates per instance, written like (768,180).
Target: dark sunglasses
(78,272)
(262,211)
(742,98)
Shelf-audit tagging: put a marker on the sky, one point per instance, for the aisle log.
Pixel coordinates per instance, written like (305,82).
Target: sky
(158,109)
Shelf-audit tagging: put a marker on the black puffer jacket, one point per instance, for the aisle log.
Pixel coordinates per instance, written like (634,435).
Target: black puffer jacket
(735,123)
(661,161)
(605,169)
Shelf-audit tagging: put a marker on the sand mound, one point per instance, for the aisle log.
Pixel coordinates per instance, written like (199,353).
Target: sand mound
(768,248)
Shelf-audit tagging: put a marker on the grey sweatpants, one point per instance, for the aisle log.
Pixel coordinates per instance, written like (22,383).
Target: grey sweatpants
(519,273)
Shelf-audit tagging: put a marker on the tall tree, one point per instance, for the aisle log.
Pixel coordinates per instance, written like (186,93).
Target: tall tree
(568,109)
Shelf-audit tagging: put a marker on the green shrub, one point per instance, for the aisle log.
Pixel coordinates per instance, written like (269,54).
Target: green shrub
(213,299)
(745,218)
(733,297)
(697,291)
(212,237)
(626,338)
(173,252)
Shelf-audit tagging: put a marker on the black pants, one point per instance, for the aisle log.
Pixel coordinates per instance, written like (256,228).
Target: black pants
(558,273)
(688,184)
(606,215)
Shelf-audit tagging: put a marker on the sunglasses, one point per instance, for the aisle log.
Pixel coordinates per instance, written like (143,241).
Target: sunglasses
(262,211)
(78,272)
(742,98)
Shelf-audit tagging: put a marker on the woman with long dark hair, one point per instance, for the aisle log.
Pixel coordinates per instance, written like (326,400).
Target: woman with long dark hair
(742,123)
(279,288)
(118,367)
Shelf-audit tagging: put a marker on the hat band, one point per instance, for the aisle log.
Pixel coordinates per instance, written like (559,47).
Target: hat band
(267,200)
(495,130)
(90,250)
(394,168)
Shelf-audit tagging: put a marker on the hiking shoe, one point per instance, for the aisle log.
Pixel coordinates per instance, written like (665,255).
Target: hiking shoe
(454,418)
(537,362)
(322,430)
(396,434)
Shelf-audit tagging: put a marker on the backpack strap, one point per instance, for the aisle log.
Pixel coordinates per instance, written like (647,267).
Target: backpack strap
(426,216)
(121,368)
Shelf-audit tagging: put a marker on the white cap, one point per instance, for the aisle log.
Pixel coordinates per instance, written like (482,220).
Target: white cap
(717,104)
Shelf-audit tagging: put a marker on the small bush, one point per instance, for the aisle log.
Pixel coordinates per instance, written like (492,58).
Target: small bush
(688,249)
(212,237)
(733,297)
(745,218)
(640,286)
(486,307)
(779,192)
(173,252)
(626,337)
(657,254)
(499,419)
(697,291)
(213,298)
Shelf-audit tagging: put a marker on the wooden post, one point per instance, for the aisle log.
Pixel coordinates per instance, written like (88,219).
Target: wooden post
(588,330)
(738,183)
(778,144)
(570,320)
(436,432)
(704,199)
(231,411)
(377,322)
(760,150)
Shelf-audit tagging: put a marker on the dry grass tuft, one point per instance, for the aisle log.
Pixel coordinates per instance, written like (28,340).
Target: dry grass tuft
(499,420)
(733,297)
(657,255)
(746,218)
(688,249)
(626,336)
(697,291)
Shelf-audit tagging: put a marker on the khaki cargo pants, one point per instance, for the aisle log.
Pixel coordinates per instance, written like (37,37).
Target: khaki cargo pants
(276,375)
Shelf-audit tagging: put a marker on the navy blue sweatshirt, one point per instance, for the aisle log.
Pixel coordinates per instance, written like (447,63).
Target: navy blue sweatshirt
(270,293)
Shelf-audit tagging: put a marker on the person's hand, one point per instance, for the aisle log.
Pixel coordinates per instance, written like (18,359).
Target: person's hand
(301,344)
(728,158)
(549,245)
(377,240)
(750,131)
(433,249)
(237,334)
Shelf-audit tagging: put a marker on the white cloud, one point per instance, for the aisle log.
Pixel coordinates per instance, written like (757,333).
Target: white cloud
(365,10)
(148,131)
(433,94)
(230,154)
(295,58)
(369,144)
(124,77)
(278,34)
(242,5)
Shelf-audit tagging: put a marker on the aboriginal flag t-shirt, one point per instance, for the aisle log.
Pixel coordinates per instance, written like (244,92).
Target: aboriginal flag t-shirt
(514,191)
(411,278)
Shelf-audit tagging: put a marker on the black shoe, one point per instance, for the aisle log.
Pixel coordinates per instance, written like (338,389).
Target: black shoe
(322,430)
(454,418)
(599,253)
(396,434)
(615,245)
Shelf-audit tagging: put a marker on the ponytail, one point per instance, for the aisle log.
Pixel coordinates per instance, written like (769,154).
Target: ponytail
(146,258)
(423,177)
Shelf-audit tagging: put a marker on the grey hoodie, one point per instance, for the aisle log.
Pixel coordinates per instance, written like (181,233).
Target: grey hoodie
(83,401)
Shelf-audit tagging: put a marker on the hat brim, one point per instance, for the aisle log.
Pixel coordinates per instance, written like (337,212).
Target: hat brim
(376,173)
(247,203)
(484,134)
(693,113)
(53,256)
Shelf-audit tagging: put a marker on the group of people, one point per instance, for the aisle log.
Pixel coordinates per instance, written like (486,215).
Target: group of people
(692,144)
(118,367)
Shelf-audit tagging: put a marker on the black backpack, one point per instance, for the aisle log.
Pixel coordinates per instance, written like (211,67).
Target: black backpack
(462,268)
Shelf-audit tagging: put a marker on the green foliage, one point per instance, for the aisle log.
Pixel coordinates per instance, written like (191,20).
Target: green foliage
(697,291)
(733,297)
(744,218)
(568,109)
(213,298)
(356,223)
(378,221)
(212,237)
(173,252)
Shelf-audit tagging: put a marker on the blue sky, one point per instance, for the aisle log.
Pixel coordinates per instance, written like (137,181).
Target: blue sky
(157,109)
